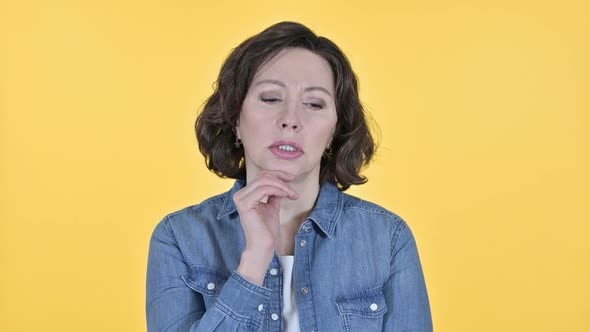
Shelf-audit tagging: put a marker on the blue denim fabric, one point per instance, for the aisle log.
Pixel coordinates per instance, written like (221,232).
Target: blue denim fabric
(356,268)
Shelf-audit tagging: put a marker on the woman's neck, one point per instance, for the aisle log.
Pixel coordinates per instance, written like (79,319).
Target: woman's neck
(296,211)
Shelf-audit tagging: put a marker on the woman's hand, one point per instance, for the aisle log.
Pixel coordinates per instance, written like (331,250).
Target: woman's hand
(258,204)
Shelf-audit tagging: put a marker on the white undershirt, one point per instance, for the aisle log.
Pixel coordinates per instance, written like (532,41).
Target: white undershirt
(290,316)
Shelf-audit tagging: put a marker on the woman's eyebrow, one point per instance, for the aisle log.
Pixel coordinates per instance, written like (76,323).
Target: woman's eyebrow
(310,88)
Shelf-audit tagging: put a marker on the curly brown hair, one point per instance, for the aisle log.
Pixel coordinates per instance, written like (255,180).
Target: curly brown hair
(352,145)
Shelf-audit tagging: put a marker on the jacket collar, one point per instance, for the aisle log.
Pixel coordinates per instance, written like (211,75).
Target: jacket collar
(325,213)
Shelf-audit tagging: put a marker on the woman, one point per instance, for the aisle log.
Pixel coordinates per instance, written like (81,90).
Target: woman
(285,249)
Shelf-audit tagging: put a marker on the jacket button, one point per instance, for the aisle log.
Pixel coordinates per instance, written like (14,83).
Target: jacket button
(210,286)
(260,307)
(274,316)
(273,271)
(304,290)
(373,306)
(303,243)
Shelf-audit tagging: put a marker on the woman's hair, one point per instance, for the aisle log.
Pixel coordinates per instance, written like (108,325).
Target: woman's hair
(352,144)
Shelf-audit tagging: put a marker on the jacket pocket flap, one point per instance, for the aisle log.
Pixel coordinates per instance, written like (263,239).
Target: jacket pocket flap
(368,303)
(205,280)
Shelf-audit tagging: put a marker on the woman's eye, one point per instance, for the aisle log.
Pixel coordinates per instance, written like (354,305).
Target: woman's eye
(315,106)
(270,100)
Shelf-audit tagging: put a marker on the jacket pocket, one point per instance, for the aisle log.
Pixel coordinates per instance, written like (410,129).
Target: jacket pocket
(207,281)
(362,310)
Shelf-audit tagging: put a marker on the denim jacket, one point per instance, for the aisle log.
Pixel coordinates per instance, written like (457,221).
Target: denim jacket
(356,268)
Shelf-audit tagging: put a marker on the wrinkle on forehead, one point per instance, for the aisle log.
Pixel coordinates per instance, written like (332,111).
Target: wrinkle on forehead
(272,64)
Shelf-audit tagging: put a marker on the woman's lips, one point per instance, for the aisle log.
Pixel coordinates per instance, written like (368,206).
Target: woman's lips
(284,154)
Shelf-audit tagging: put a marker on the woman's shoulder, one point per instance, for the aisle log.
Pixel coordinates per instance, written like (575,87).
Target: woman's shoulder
(364,218)
(373,210)
(211,203)
(205,212)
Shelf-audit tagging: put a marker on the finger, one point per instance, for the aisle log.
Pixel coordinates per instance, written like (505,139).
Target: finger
(254,187)
(253,198)
(274,201)
(285,176)
(264,178)
(277,179)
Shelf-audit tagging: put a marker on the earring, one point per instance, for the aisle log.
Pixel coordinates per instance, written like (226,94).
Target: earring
(238,143)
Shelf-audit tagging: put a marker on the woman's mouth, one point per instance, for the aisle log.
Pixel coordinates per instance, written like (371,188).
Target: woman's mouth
(286,150)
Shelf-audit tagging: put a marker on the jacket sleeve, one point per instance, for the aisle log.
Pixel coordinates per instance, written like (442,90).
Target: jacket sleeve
(172,306)
(405,291)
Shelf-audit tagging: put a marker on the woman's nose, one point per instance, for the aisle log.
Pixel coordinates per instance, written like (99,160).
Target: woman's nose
(287,125)
(290,118)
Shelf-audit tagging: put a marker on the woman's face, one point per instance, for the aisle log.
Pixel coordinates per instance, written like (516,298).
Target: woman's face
(288,116)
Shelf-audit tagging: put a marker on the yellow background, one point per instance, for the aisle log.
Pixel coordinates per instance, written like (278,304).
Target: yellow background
(483,109)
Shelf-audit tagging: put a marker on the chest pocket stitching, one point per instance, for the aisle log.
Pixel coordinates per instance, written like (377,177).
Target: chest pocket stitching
(359,303)
(199,277)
